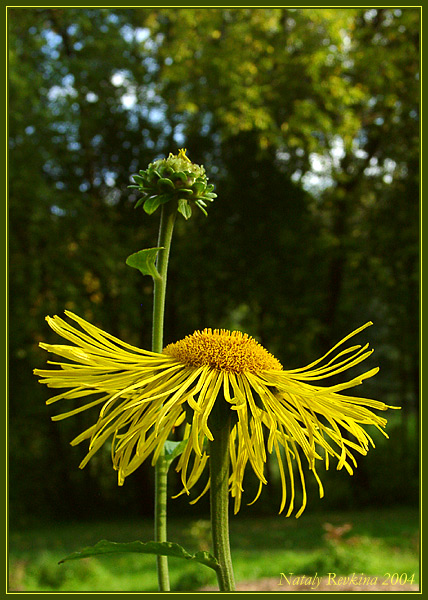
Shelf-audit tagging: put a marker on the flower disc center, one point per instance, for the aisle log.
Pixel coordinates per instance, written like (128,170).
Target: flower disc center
(223,350)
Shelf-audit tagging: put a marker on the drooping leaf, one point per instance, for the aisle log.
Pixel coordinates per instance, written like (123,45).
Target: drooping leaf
(184,208)
(201,205)
(151,205)
(160,548)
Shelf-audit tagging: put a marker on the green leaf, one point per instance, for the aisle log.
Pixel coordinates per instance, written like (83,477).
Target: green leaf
(202,208)
(180,175)
(184,208)
(151,204)
(138,179)
(166,185)
(198,187)
(160,548)
(140,201)
(173,449)
(186,191)
(144,261)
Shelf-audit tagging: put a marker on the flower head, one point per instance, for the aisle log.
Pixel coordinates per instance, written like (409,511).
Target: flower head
(144,395)
(171,179)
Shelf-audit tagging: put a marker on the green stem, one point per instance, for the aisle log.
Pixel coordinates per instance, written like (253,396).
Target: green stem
(161,470)
(166,229)
(219,498)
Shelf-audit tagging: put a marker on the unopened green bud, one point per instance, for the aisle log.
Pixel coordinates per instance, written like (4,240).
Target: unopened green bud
(174,179)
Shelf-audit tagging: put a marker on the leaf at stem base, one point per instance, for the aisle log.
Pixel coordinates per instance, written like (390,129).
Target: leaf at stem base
(160,548)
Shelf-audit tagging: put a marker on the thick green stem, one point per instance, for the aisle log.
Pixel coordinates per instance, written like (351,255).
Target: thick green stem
(219,497)
(161,481)
(161,471)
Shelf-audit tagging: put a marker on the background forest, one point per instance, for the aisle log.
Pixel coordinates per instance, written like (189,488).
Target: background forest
(306,121)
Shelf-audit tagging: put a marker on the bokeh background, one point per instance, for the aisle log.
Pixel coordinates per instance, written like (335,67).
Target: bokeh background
(307,122)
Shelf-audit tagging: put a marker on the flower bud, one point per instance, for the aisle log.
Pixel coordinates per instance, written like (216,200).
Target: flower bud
(177,179)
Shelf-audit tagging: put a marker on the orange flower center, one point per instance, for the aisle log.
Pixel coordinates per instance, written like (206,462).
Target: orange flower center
(223,350)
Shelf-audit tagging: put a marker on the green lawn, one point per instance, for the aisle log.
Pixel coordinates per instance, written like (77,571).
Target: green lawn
(379,542)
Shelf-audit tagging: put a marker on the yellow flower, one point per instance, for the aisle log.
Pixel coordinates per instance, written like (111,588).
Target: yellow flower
(144,395)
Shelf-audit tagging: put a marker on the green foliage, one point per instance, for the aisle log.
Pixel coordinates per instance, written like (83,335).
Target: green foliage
(307,122)
(379,541)
(192,579)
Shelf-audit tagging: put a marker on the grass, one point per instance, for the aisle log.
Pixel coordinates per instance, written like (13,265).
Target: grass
(379,542)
